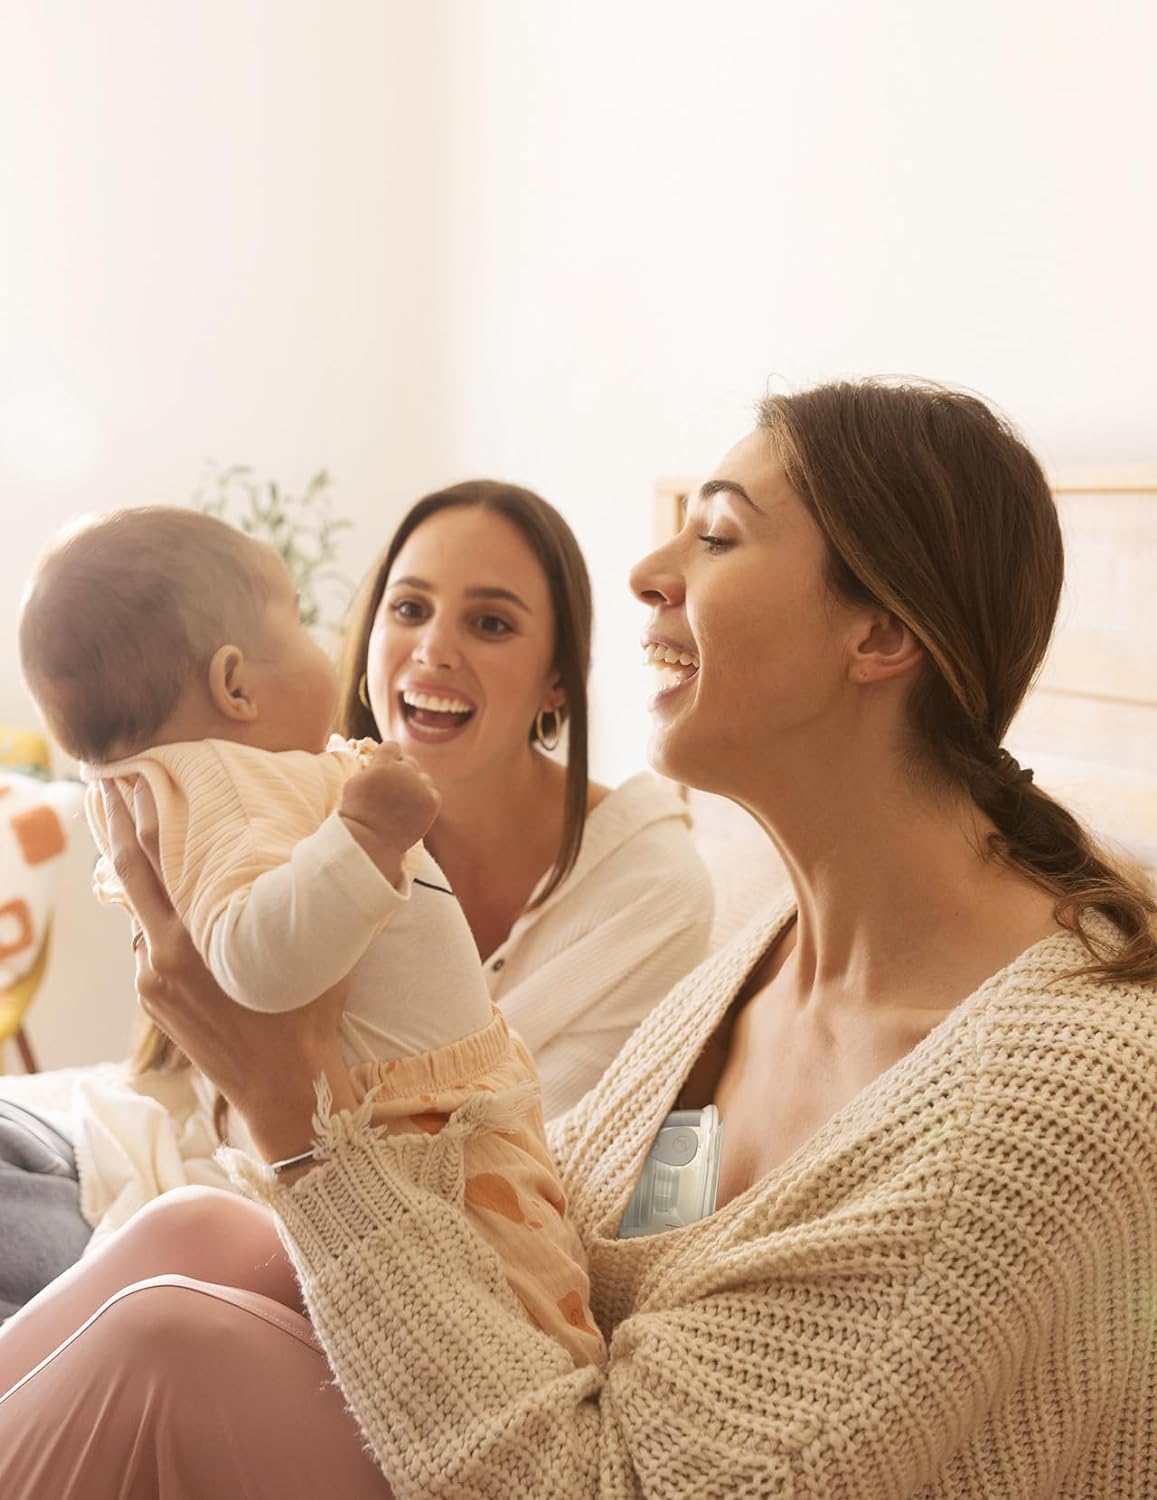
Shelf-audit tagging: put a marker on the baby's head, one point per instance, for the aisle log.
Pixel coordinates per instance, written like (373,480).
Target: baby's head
(144,627)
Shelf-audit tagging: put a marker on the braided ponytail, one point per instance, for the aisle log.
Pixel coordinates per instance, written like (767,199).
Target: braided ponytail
(1039,836)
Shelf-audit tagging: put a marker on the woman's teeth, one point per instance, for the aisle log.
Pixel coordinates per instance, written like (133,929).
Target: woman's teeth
(436,714)
(653,654)
(673,666)
(436,704)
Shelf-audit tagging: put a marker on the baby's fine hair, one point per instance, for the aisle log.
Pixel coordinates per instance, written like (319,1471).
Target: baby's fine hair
(121,611)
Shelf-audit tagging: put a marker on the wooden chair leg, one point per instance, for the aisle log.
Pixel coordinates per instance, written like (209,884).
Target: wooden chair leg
(27,1056)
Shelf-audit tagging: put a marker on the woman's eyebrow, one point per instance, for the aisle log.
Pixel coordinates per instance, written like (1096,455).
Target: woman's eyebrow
(725,486)
(496,593)
(480,591)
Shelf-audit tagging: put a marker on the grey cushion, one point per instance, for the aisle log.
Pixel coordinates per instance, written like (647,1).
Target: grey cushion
(42,1231)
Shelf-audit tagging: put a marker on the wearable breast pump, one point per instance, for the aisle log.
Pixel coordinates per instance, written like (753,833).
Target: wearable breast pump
(680,1178)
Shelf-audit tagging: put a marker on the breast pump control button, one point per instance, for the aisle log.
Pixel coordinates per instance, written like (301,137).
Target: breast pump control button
(676,1146)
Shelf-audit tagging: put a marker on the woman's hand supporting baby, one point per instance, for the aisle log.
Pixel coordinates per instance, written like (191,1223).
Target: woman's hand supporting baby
(388,807)
(265,1065)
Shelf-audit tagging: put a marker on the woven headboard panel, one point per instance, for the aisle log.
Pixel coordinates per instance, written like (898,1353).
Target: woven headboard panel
(1089,726)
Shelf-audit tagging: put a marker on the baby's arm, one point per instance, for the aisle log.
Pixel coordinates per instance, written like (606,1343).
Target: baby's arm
(301,926)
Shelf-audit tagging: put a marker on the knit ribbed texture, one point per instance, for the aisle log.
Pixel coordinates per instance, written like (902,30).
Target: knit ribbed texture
(226,813)
(282,902)
(951,1291)
(491,1159)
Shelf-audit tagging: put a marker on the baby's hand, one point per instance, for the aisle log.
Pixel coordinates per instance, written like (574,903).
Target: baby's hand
(388,807)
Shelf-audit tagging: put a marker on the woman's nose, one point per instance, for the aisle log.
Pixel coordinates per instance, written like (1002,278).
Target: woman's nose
(436,648)
(655,580)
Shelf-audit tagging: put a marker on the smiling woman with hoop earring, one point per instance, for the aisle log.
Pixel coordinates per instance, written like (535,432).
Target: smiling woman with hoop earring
(470,646)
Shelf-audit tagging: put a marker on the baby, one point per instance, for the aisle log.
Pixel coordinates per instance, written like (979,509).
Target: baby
(163,645)
(165,648)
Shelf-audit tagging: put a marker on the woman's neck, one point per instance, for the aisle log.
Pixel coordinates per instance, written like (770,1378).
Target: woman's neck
(898,901)
(496,836)
(483,812)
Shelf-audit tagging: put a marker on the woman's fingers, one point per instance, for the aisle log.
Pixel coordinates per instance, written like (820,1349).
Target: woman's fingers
(147,825)
(147,979)
(134,863)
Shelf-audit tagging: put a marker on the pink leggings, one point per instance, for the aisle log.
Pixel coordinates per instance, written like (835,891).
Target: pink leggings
(175,1363)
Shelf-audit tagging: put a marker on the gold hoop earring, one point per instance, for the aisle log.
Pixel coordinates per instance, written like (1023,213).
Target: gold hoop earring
(363,695)
(555,728)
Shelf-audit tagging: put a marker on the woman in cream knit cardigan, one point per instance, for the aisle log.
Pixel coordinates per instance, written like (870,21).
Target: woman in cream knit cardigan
(931,1269)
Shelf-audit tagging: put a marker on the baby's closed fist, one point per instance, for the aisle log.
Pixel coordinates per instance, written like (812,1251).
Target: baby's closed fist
(388,806)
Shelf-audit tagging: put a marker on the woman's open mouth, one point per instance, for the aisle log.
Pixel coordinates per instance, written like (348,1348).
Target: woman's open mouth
(675,667)
(433,716)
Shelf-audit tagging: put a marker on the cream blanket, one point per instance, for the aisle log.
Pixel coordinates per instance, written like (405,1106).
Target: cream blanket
(135,1138)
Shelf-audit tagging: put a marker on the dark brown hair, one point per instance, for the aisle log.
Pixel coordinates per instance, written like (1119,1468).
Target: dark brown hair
(554,545)
(933,507)
(122,612)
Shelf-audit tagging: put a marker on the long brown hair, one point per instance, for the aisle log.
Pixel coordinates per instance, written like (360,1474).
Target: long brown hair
(934,508)
(553,543)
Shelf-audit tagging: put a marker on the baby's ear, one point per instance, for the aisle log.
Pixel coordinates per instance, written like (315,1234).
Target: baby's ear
(229,685)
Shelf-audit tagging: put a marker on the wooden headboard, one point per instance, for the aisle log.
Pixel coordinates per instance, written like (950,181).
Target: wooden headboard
(1089,725)
(1091,719)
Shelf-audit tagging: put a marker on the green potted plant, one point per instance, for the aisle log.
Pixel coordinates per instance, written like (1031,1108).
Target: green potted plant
(301,527)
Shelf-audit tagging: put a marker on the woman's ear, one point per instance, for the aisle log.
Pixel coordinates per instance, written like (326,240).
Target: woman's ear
(555,696)
(229,686)
(886,648)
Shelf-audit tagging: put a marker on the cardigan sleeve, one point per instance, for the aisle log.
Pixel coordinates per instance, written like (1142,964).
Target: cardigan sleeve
(858,1352)
(562,1133)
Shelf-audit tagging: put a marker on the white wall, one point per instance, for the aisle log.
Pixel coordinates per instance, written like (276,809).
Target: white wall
(565,244)
(661,206)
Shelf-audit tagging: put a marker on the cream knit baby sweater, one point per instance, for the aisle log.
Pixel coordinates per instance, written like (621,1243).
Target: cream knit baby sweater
(950,1291)
(282,902)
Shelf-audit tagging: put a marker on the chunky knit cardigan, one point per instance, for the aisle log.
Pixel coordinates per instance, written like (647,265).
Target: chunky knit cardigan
(950,1291)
